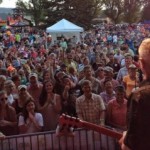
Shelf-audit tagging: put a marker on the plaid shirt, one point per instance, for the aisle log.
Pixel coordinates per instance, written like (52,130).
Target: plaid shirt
(90,109)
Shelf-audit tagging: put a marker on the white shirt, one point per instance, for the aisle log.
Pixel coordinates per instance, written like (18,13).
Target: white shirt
(31,127)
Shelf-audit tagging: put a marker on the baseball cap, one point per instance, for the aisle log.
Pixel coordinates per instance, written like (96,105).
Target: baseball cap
(108,69)
(132,66)
(33,75)
(22,87)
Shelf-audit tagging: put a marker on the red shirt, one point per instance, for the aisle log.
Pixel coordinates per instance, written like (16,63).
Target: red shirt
(116,113)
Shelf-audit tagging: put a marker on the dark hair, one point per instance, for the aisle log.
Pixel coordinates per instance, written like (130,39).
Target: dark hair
(105,81)
(119,88)
(43,95)
(25,112)
(44,73)
(15,78)
(85,82)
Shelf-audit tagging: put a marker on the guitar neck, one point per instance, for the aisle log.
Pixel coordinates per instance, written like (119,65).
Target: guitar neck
(102,130)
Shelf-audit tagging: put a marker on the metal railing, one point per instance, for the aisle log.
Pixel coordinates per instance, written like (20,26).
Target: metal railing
(82,140)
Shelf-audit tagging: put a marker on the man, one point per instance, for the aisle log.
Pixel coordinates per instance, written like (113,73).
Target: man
(34,87)
(90,107)
(124,71)
(137,136)
(108,73)
(96,88)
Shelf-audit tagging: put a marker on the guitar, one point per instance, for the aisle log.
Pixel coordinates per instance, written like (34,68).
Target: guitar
(69,121)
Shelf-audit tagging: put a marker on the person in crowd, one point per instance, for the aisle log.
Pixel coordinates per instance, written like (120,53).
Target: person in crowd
(58,87)
(34,87)
(8,117)
(99,73)
(30,121)
(108,73)
(9,86)
(68,96)
(130,81)
(90,107)
(70,62)
(124,70)
(2,81)
(46,75)
(16,80)
(96,88)
(138,132)
(108,93)
(23,78)
(116,110)
(73,75)
(118,55)
(49,106)
(22,97)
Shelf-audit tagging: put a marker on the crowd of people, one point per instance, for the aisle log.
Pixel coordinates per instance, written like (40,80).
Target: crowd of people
(92,79)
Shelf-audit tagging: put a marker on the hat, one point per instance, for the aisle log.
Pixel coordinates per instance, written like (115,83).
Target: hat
(108,69)
(33,75)
(22,87)
(10,68)
(127,55)
(132,66)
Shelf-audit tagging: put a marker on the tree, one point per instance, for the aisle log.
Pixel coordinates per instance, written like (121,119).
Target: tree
(34,8)
(113,9)
(80,12)
(1,1)
(132,10)
(50,11)
(146,12)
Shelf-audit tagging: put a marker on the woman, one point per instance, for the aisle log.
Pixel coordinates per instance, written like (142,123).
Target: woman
(130,81)
(8,117)
(30,121)
(50,106)
(116,110)
(47,75)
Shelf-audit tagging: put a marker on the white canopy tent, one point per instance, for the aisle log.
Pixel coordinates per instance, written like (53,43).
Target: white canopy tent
(65,28)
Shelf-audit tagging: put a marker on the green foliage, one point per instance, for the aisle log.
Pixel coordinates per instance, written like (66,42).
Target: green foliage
(124,10)
(82,12)
(146,12)
(51,11)
(132,10)
(113,9)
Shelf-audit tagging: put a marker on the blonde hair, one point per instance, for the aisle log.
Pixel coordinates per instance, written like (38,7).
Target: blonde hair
(144,49)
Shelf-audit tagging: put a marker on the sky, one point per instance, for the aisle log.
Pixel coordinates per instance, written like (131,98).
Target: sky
(9,3)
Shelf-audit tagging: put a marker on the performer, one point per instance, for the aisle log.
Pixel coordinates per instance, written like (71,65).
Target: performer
(137,136)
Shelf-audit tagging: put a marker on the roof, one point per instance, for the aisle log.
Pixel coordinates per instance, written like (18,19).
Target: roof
(64,26)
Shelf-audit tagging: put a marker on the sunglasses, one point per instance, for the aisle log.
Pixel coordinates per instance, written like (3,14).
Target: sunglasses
(4,99)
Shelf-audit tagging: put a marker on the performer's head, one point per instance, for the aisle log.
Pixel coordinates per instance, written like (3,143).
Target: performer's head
(144,57)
